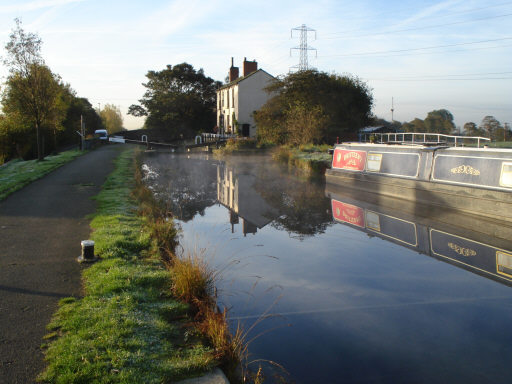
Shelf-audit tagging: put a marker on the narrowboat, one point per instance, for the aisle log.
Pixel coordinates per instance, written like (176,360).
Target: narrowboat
(472,180)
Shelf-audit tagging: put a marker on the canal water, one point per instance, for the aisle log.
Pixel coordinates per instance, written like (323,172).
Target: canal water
(343,287)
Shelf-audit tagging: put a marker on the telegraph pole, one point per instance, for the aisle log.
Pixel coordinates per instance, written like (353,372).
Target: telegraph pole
(303,47)
(82,131)
(392,110)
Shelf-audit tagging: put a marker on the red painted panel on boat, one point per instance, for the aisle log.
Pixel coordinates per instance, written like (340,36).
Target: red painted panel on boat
(348,213)
(349,159)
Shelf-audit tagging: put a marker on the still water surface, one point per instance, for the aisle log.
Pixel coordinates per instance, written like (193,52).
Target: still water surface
(360,289)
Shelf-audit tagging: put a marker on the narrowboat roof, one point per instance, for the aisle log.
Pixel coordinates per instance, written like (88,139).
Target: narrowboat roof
(416,146)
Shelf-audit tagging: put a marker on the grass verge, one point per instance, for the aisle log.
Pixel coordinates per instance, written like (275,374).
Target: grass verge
(18,173)
(242,145)
(128,327)
(501,144)
(308,159)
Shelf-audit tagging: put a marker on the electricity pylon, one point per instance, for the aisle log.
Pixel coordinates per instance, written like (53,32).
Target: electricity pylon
(303,47)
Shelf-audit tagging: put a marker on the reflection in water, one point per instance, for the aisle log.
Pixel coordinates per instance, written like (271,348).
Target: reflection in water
(236,192)
(365,303)
(255,190)
(469,249)
(186,184)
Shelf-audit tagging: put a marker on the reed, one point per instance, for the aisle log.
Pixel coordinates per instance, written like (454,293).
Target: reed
(193,280)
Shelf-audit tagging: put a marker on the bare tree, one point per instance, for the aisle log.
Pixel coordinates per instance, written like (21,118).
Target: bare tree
(32,89)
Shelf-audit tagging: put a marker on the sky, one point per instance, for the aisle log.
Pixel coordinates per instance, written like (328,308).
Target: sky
(422,55)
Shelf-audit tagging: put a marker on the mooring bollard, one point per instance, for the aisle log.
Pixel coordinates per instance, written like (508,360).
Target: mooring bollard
(87,255)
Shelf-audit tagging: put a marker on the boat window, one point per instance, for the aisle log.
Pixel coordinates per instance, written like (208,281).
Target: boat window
(373,221)
(506,175)
(373,162)
(504,263)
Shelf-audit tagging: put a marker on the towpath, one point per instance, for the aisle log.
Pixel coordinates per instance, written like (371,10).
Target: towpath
(41,227)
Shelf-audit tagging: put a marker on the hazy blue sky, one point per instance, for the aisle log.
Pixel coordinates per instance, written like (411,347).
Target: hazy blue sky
(454,54)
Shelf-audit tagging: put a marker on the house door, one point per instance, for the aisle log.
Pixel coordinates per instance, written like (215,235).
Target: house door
(245,130)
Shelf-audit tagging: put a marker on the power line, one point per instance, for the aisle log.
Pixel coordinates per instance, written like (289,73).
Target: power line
(450,77)
(416,28)
(418,49)
(451,51)
(442,79)
(458,75)
(414,8)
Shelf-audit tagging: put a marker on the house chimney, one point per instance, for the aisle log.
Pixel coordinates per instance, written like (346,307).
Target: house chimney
(249,66)
(234,73)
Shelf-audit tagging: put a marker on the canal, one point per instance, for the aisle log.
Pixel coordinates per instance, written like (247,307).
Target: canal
(343,287)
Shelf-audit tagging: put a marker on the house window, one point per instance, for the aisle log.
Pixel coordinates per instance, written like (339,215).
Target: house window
(233,97)
(229,106)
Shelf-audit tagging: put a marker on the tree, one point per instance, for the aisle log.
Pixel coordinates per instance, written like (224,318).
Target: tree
(345,102)
(112,118)
(507,132)
(471,129)
(305,124)
(270,121)
(416,125)
(439,121)
(179,99)
(491,126)
(34,102)
(32,89)
(392,126)
(79,110)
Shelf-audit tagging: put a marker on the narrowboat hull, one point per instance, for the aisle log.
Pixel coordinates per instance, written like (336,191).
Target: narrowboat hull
(474,181)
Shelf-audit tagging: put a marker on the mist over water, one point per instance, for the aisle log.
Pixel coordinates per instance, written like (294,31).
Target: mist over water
(361,291)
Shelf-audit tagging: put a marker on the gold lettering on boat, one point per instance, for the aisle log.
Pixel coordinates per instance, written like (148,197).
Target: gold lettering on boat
(352,156)
(351,219)
(461,250)
(466,170)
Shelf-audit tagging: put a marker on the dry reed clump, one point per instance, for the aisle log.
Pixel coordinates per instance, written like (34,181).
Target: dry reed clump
(193,280)
(165,234)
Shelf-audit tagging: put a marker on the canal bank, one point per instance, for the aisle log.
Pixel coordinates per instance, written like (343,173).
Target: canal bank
(128,327)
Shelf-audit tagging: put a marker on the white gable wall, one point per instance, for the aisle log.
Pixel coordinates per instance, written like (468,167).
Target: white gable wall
(251,97)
